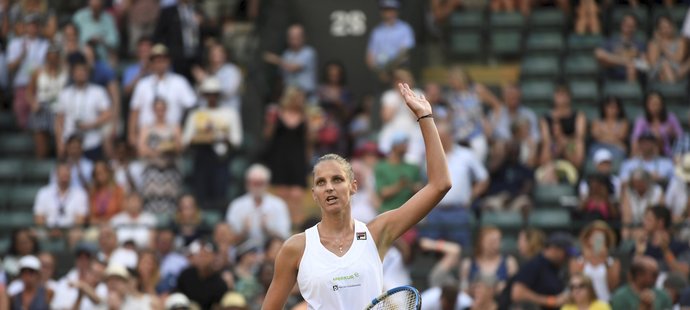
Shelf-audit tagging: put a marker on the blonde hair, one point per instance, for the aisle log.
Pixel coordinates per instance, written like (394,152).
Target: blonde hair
(289,96)
(587,282)
(341,161)
(535,240)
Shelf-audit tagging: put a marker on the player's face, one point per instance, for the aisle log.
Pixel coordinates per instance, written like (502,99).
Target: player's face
(332,188)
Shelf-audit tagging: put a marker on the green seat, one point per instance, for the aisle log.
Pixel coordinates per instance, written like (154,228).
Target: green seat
(536,66)
(551,195)
(581,65)
(640,36)
(502,219)
(545,42)
(466,45)
(10,170)
(16,144)
(38,170)
(509,244)
(5,191)
(506,20)
(550,219)
(23,197)
(590,110)
(584,43)
(677,13)
(537,92)
(585,91)
(682,112)
(619,12)
(7,121)
(211,218)
(4,244)
(550,19)
(676,93)
(506,43)
(629,93)
(53,245)
(16,219)
(469,19)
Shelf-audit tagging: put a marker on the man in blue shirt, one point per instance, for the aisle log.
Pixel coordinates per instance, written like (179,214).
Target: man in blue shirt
(390,40)
(298,62)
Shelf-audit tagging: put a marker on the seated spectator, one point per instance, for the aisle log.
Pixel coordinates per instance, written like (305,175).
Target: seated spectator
(678,191)
(659,168)
(111,252)
(390,41)
(142,68)
(47,272)
(396,180)
(465,98)
(611,130)
(297,63)
(667,52)
(596,263)
(538,282)
(133,224)
(623,55)
(97,28)
(172,263)
(640,292)
(148,269)
(658,121)
(225,240)
(450,219)
(81,287)
(127,170)
(200,282)
(530,242)
(443,291)
(91,291)
(258,216)
(83,108)
(43,92)
(397,119)
(188,223)
(511,185)
(603,166)
(25,54)
(105,196)
(582,295)
(599,203)
(22,243)
(214,134)
(117,278)
(160,143)
(177,301)
(656,240)
(563,131)
(334,95)
(160,85)
(587,18)
(639,195)
(35,294)
(487,260)
(246,282)
(674,285)
(226,73)
(233,301)
(506,115)
(61,205)
(138,298)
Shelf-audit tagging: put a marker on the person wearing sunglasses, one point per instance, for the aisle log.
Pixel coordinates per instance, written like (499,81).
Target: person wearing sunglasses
(582,295)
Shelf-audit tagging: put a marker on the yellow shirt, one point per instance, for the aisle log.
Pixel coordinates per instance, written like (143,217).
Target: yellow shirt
(596,305)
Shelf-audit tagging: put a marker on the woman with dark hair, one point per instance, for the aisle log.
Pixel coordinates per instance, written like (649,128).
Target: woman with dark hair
(105,196)
(188,224)
(659,121)
(666,52)
(22,243)
(611,130)
(334,96)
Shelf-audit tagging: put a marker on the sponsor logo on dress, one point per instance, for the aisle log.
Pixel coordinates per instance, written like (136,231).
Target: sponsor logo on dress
(362,235)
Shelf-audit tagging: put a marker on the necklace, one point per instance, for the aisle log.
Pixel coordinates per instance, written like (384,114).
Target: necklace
(340,246)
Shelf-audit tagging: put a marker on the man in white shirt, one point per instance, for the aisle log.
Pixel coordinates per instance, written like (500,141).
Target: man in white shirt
(83,108)
(258,215)
(173,88)
(83,283)
(134,225)
(61,205)
(659,167)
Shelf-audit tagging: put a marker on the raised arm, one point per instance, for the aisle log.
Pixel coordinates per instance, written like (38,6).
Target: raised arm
(390,225)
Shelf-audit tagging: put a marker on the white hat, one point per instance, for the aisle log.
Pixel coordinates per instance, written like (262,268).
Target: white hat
(683,168)
(602,155)
(30,262)
(116,270)
(210,85)
(177,300)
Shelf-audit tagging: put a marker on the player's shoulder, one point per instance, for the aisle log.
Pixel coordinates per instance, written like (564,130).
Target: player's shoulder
(293,249)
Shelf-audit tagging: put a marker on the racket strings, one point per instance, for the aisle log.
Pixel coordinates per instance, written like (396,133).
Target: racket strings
(402,300)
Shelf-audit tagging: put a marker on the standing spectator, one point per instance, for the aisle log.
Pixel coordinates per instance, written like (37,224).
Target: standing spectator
(647,158)
(258,216)
(178,28)
(678,191)
(667,52)
(172,88)
(105,196)
(640,194)
(298,62)
(487,260)
(97,28)
(395,117)
(224,71)
(43,92)
(365,203)
(465,98)
(160,143)
(83,108)
(172,263)
(128,171)
(660,122)
(611,130)
(538,281)
(61,205)
(139,70)
(334,96)
(200,282)
(434,94)
(133,224)
(623,56)
(287,152)
(450,219)
(35,294)
(390,41)
(582,295)
(596,262)
(188,223)
(140,20)
(640,292)
(25,54)
(396,180)
(22,243)
(40,8)
(656,240)
(214,134)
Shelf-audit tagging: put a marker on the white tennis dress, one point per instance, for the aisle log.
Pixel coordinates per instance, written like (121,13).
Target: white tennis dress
(329,282)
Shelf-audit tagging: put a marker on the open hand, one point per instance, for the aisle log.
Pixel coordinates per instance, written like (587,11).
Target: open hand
(417,103)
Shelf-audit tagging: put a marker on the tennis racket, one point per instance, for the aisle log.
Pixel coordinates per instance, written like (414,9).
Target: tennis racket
(399,298)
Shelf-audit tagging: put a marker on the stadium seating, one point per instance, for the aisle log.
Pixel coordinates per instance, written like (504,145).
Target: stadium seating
(550,219)
(551,195)
(505,220)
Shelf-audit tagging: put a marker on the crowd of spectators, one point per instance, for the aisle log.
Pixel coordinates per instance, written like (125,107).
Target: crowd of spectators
(119,92)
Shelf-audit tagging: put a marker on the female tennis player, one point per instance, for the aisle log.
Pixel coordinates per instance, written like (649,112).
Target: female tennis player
(337,263)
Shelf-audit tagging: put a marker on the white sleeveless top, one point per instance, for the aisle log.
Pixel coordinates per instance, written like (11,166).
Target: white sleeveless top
(329,282)
(49,87)
(599,280)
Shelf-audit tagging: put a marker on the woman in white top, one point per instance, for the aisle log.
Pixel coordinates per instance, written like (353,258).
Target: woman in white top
(596,263)
(337,263)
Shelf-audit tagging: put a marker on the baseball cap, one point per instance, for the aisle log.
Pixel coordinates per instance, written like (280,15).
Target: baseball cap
(389,4)
(196,247)
(563,241)
(233,299)
(30,262)
(159,50)
(177,301)
(210,85)
(602,155)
